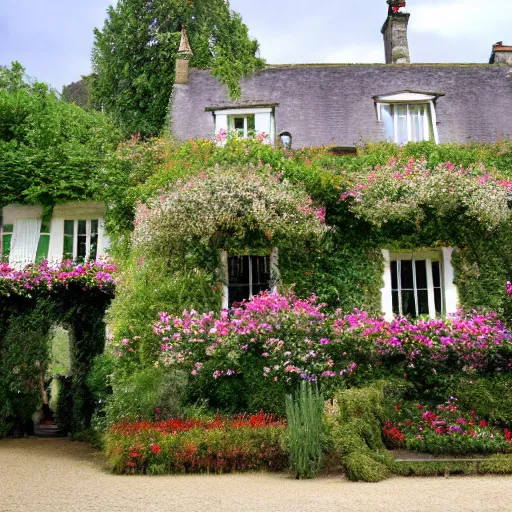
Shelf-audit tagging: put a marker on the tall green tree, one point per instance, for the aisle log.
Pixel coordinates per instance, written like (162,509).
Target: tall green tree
(134,55)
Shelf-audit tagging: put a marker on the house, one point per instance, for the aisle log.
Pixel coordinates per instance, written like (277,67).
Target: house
(344,104)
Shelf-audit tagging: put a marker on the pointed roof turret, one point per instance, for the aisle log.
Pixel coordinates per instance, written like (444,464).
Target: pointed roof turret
(185,50)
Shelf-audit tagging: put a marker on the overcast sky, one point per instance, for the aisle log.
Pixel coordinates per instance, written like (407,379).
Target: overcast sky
(53,38)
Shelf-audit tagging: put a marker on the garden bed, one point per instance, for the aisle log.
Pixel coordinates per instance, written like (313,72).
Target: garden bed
(221,445)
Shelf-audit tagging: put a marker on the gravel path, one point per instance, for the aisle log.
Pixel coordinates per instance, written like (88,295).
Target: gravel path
(58,475)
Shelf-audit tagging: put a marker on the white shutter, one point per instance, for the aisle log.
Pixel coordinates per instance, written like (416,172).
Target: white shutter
(221,122)
(25,239)
(56,241)
(262,123)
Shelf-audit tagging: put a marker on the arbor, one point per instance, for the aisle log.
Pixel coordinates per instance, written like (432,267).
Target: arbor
(134,55)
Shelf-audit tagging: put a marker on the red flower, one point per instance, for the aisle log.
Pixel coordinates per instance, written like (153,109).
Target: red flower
(155,448)
(508,435)
(483,423)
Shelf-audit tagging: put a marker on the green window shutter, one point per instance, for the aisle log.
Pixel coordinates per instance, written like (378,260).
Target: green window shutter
(6,233)
(42,248)
(44,243)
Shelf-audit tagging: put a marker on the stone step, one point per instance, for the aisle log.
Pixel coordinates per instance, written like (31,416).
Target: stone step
(47,430)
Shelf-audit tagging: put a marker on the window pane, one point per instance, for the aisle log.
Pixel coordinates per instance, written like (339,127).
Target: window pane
(408,304)
(401,113)
(69,227)
(394,275)
(238,294)
(421,274)
(239,123)
(417,113)
(94,240)
(42,248)
(82,227)
(406,274)
(251,125)
(436,274)
(387,119)
(261,271)
(423,302)
(68,247)
(438,301)
(238,270)
(396,305)
(8,228)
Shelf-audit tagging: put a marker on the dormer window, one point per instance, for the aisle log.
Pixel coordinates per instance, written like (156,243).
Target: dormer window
(408,116)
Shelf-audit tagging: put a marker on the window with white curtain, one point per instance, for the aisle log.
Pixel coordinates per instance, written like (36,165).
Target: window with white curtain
(24,242)
(408,117)
(407,123)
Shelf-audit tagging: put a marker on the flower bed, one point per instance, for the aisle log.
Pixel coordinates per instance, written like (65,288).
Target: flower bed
(193,446)
(444,430)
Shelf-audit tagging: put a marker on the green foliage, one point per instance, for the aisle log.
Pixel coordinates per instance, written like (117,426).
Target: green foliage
(138,395)
(305,431)
(50,151)
(356,433)
(490,397)
(135,52)
(23,362)
(148,286)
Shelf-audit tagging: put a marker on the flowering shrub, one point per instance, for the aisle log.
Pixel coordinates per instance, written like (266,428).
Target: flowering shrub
(218,206)
(444,429)
(286,340)
(179,446)
(394,193)
(90,275)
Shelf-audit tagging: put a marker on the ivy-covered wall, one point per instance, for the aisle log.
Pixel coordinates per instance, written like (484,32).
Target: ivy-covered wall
(420,201)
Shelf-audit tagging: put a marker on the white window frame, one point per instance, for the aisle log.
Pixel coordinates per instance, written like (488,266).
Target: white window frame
(408,99)
(245,129)
(88,234)
(449,296)
(221,121)
(274,274)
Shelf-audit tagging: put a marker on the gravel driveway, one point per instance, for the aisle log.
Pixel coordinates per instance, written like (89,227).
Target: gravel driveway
(57,475)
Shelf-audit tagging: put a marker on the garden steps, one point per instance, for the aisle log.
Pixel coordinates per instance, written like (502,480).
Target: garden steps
(47,430)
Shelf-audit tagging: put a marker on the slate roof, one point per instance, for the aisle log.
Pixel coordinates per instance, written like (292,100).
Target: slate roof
(333,104)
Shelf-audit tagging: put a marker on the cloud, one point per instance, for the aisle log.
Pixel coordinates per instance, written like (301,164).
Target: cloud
(457,18)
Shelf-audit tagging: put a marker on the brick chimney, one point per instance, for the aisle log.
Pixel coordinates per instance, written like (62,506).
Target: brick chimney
(501,54)
(394,31)
(183,59)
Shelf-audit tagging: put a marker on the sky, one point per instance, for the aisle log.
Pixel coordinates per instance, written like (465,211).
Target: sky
(53,38)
